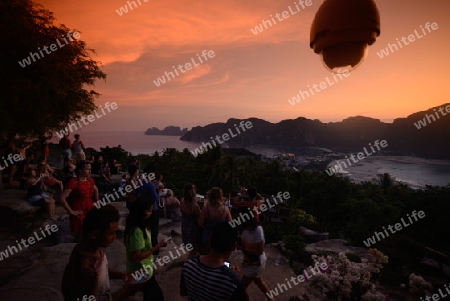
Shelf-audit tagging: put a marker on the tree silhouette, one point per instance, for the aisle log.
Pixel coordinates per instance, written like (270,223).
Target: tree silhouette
(51,91)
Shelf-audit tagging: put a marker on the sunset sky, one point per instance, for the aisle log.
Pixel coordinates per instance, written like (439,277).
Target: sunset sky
(251,75)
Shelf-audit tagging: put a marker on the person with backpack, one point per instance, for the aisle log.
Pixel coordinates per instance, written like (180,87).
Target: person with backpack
(82,188)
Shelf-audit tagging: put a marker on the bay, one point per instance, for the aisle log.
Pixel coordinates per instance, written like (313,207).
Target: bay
(412,171)
(132,141)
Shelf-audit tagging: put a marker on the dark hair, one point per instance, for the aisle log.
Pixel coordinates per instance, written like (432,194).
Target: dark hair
(215,197)
(136,218)
(100,219)
(80,166)
(132,169)
(223,237)
(190,193)
(76,136)
(29,172)
(252,192)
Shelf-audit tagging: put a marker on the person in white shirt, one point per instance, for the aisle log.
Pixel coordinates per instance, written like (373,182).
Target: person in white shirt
(252,239)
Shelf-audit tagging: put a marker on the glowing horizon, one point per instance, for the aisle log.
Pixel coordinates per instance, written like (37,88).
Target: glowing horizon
(252,75)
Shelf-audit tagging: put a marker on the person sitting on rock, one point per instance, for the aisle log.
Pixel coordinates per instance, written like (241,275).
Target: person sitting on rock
(47,173)
(68,170)
(105,172)
(115,167)
(36,194)
(96,166)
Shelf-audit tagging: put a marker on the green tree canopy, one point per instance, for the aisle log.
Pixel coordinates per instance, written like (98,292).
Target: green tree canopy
(50,91)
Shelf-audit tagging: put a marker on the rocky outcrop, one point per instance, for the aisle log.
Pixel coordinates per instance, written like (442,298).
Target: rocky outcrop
(167,131)
(352,134)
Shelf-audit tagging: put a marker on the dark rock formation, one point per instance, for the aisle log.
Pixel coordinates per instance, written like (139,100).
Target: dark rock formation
(404,136)
(167,131)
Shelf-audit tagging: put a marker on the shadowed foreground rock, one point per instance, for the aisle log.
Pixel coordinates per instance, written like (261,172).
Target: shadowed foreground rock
(42,270)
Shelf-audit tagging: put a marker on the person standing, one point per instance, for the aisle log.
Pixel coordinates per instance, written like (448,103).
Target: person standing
(140,249)
(256,200)
(132,181)
(78,149)
(153,221)
(190,212)
(87,273)
(206,278)
(213,212)
(66,146)
(45,149)
(253,242)
(172,205)
(144,189)
(83,188)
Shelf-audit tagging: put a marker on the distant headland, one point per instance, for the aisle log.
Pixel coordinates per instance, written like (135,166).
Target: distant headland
(167,131)
(422,134)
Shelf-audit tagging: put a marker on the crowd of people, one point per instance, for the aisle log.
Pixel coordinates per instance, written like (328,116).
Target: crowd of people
(204,226)
(206,229)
